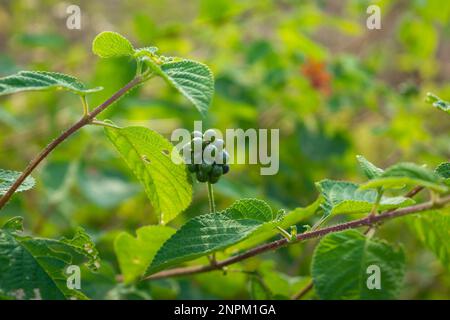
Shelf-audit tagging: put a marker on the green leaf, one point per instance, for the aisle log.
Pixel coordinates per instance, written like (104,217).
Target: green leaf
(149,156)
(370,170)
(33,268)
(438,102)
(110,44)
(191,78)
(208,233)
(433,230)
(409,174)
(7,179)
(42,80)
(83,244)
(136,254)
(340,267)
(268,230)
(443,170)
(342,197)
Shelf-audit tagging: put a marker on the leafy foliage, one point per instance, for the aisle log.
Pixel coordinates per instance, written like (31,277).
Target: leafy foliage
(148,155)
(193,79)
(433,230)
(110,44)
(8,177)
(443,170)
(208,233)
(347,197)
(42,80)
(136,254)
(340,264)
(322,96)
(34,268)
(410,174)
(370,170)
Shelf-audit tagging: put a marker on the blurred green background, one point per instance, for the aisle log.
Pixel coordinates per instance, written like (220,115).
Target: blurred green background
(310,68)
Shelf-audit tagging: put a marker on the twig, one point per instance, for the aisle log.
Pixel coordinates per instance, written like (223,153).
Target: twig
(303,292)
(367,221)
(86,119)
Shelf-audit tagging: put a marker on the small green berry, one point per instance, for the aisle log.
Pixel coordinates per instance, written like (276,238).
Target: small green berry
(225,168)
(192,167)
(201,176)
(206,168)
(213,179)
(216,171)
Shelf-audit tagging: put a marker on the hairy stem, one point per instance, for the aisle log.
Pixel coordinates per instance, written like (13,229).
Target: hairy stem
(303,292)
(212,204)
(86,119)
(367,221)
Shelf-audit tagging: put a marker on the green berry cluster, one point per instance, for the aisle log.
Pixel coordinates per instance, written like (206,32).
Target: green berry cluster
(206,157)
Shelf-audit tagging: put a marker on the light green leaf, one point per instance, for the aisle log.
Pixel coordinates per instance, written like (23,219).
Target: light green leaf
(34,268)
(443,170)
(149,156)
(370,170)
(341,197)
(268,230)
(191,78)
(110,44)
(42,80)
(438,102)
(407,174)
(208,233)
(136,254)
(433,230)
(340,267)
(7,179)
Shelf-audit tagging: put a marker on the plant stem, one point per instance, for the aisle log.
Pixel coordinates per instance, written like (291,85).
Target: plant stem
(367,221)
(303,292)
(86,119)
(212,204)
(85,105)
(377,202)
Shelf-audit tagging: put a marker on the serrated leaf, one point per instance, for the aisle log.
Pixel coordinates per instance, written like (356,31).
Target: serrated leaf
(42,80)
(191,78)
(340,267)
(136,254)
(208,233)
(443,170)
(433,230)
(34,268)
(370,170)
(342,197)
(83,244)
(269,230)
(407,174)
(149,156)
(110,44)
(7,179)
(438,102)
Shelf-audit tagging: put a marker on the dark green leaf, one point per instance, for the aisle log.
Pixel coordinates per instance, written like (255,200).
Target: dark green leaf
(208,233)
(340,267)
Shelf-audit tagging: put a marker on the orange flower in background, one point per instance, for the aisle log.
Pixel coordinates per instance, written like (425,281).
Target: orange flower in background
(317,75)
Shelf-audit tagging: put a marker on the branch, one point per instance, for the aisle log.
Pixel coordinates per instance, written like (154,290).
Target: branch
(86,119)
(367,221)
